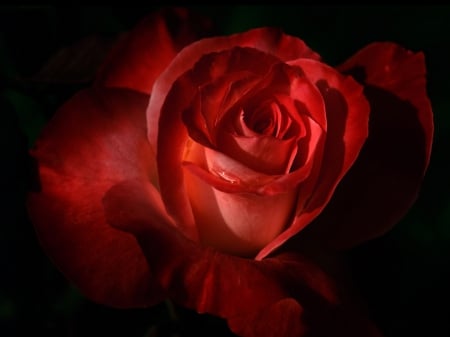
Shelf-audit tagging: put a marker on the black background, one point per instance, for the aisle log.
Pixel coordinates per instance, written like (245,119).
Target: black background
(404,275)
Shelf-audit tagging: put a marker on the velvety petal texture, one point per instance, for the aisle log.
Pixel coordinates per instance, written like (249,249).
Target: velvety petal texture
(285,296)
(143,53)
(95,140)
(384,181)
(237,223)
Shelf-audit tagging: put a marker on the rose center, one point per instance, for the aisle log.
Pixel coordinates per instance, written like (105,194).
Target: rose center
(262,126)
(264,119)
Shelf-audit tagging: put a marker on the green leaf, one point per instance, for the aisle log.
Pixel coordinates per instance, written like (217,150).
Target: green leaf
(29,113)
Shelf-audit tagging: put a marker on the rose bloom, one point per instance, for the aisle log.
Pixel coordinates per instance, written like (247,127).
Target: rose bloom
(224,172)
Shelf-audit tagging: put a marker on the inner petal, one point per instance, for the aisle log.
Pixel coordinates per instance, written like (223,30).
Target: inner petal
(238,223)
(261,153)
(262,135)
(263,120)
(270,117)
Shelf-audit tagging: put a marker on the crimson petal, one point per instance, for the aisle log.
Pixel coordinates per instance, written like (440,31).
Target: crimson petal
(141,54)
(95,140)
(251,295)
(384,181)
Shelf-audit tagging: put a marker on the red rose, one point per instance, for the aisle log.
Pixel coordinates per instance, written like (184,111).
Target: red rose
(206,174)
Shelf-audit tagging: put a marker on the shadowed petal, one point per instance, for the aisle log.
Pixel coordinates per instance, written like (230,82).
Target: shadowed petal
(384,181)
(95,140)
(141,54)
(347,113)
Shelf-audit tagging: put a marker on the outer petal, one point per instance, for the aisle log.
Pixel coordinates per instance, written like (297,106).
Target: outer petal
(95,140)
(173,97)
(384,181)
(252,295)
(143,53)
(347,128)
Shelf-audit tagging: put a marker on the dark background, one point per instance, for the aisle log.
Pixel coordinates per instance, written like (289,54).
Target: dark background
(404,275)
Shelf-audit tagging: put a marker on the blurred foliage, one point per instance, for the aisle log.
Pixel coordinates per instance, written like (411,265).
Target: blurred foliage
(404,275)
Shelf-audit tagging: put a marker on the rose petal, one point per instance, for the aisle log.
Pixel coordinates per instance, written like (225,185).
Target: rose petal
(141,54)
(222,172)
(237,223)
(210,103)
(95,140)
(228,175)
(263,154)
(395,67)
(347,119)
(384,181)
(347,122)
(242,291)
